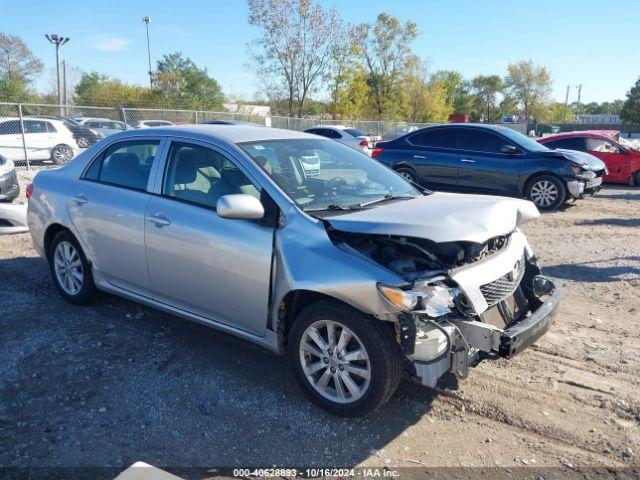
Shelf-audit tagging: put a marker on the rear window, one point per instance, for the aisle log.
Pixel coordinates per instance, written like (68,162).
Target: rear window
(355,132)
(125,164)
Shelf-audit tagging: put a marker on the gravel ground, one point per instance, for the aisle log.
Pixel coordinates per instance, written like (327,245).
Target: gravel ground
(115,382)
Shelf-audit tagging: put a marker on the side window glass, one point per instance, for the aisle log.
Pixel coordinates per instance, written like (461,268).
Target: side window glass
(125,164)
(201,175)
(50,127)
(11,127)
(437,137)
(35,126)
(599,145)
(569,143)
(480,141)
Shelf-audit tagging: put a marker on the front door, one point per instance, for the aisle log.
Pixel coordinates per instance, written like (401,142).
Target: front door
(11,140)
(108,208)
(199,262)
(483,166)
(614,157)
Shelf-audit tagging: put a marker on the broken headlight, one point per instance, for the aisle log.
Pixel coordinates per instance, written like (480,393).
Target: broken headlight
(432,300)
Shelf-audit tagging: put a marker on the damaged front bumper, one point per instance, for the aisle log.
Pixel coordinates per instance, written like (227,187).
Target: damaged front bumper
(465,338)
(579,188)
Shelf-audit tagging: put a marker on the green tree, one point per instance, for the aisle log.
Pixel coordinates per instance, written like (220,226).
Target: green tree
(487,88)
(458,91)
(385,50)
(296,48)
(182,83)
(18,67)
(630,112)
(95,89)
(529,85)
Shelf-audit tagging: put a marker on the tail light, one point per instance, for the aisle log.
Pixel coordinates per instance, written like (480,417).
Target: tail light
(364,143)
(376,151)
(29,191)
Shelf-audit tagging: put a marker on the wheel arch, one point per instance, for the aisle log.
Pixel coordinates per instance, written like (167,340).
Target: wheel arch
(50,233)
(294,301)
(533,176)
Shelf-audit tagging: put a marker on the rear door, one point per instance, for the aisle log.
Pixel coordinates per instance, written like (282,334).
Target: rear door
(40,138)
(482,165)
(199,262)
(108,207)
(432,152)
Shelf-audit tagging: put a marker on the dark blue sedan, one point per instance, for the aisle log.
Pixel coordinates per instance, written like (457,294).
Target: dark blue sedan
(491,159)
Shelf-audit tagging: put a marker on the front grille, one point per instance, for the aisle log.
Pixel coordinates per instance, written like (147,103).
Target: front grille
(498,290)
(510,310)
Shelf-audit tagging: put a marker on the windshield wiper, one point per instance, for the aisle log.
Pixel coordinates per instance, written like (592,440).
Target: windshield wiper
(387,197)
(333,206)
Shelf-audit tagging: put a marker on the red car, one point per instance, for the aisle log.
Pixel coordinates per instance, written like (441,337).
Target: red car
(623,163)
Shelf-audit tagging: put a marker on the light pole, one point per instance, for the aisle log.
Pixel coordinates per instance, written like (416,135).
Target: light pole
(147,21)
(57,40)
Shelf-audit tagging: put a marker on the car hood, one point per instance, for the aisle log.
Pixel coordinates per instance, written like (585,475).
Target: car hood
(440,217)
(584,159)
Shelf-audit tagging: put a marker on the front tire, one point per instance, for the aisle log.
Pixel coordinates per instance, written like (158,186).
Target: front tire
(61,154)
(83,142)
(408,174)
(345,361)
(546,192)
(70,269)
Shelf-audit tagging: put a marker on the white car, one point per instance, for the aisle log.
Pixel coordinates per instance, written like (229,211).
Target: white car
(151,123)
(349,136)
(44,139)
(104,126)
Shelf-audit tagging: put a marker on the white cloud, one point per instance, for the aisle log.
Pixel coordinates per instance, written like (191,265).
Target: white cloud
(110,43)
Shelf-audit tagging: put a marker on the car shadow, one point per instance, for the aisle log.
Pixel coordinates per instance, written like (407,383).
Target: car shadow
(628,268)
(617,222)
(145,385)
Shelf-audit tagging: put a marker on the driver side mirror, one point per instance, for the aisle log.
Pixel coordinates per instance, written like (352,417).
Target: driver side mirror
(240,206)
(508,149)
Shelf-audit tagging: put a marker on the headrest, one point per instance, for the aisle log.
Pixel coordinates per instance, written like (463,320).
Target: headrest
(123,161)
(186,168)
(263,162)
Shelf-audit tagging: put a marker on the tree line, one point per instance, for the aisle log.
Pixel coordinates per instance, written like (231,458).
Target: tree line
(309,62)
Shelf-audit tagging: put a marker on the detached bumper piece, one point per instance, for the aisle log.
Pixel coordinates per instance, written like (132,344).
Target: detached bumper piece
(523,334)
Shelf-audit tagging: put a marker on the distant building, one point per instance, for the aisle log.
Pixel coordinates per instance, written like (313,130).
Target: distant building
(260,110)
(597,118)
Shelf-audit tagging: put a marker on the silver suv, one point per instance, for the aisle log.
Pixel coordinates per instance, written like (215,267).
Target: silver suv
(354,273)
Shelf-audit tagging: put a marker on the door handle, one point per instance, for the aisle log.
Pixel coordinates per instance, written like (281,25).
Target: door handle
(159,219)
(467,160)
(419,156)
(80,199)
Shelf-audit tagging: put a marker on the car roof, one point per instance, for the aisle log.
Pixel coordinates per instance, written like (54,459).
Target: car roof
(585,133)
(28,117)
(229,133)
(337,127)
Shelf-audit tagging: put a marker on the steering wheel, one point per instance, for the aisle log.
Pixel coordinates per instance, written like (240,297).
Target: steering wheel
(336,183)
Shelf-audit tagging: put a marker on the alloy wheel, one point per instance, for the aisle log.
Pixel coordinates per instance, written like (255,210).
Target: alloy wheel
(334,361)
(544,193)
(68,268)
(62,154)
(83,142)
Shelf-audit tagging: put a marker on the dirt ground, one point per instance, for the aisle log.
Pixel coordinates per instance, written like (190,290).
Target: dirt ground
(116,382)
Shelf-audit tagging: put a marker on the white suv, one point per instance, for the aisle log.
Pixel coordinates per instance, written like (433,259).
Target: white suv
(44,139)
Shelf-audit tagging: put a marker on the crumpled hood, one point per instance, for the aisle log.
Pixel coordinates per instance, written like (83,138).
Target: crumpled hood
(584,159)
(441,217)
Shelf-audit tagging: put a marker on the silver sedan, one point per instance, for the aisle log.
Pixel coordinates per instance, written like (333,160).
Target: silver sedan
(354,273)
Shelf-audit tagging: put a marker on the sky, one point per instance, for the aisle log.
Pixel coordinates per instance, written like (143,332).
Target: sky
(587,42)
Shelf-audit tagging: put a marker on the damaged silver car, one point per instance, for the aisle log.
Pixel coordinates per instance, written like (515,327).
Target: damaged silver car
(357,275)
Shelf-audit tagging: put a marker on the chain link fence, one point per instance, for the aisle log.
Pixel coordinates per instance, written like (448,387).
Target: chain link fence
(51,135)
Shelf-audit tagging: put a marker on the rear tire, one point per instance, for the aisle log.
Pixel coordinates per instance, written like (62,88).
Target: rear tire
(61,154)
(546,192)
(70,269)
(349,378)
(83,142)
(408,174)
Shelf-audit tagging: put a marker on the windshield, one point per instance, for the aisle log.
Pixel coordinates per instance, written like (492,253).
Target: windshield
(524,141)
(326,175)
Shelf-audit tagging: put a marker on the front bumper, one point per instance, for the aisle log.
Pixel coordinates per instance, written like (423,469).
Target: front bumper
(468,337)
(580,188)
(526,332)
(9,187)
